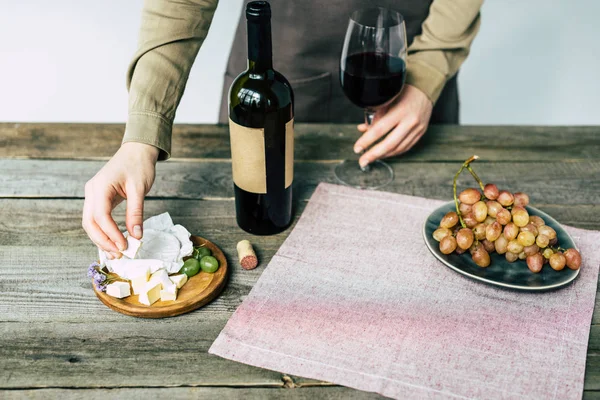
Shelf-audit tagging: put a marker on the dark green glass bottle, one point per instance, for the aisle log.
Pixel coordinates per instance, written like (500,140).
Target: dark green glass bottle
(261,121)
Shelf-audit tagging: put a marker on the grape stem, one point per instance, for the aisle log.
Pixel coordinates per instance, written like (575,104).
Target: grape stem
(557,249)
(465,165)
(476,177)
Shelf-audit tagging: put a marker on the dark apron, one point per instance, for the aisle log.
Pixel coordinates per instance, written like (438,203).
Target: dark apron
(307,43)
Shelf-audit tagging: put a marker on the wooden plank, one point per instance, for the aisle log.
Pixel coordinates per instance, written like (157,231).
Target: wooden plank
(546,183)
(314,142)
(210,393)
(153,352)
(26,273)
(55,333)
(61,225)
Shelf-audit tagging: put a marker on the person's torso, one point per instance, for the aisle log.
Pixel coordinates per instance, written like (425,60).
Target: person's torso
(307,41)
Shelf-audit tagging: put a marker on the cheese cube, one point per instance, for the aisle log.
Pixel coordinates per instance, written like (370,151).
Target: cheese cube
(161,276)
(150,294)
(179,280)
(140,280)
(168,295)
(118,289)
(133,246)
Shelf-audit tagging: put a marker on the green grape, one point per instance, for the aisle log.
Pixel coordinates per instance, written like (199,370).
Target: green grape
(209,264)
(464,238)
(501,245)
(449,220)
(542,240)
(190,267)
(492,208)
(480,211)
(520,216)
(202,252)
(493,231)
(526,239)
(548,231)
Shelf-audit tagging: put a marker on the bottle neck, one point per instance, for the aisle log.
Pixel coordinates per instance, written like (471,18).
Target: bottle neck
(260,57)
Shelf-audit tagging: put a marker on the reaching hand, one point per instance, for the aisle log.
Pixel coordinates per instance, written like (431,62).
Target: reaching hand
(129,174)
(406,119)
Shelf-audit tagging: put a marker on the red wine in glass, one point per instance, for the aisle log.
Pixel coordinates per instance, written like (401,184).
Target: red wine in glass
(372,74)
(372,79)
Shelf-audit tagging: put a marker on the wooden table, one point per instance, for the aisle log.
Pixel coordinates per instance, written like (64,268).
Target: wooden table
(57,339)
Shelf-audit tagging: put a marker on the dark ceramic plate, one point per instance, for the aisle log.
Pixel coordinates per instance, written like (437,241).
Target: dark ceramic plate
(500,272)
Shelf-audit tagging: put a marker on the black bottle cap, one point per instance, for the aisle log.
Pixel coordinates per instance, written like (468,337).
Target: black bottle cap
(258,10)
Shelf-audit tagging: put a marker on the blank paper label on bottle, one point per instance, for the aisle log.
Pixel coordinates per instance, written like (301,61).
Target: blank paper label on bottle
(248,158)
(289,153)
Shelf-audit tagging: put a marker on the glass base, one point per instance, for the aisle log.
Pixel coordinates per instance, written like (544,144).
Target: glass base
(377,175)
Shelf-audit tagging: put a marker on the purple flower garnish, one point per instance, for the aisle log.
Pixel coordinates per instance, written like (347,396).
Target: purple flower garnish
(92,269)
(101,288)
(99,278)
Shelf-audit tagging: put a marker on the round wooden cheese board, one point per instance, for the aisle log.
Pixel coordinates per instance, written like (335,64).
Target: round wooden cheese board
(199,290)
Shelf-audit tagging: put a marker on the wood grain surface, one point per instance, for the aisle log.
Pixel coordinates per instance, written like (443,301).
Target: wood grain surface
(58,340)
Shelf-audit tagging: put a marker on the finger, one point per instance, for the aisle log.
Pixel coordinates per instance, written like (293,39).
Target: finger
(375,132)
(104,220)
(100,238)
(135,212)
(91,228)
(405,145)
(389,143)
(362,127)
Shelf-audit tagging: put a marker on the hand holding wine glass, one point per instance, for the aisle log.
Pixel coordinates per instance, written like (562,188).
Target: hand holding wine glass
(403,122)
(372,74)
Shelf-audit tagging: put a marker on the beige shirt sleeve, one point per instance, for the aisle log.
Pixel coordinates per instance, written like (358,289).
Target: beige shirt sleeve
(170,38)
(438,52)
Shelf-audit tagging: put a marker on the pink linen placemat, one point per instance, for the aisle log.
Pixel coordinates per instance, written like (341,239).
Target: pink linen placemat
(354,297)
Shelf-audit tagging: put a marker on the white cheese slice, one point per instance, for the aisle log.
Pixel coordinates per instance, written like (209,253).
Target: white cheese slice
(103,258)
(161,246)
(150,294)
(160,222)
(139,281)
(183,235)
(133,246)
(161,277)
(127,268)
(179,280)
(118,289)
(167,295)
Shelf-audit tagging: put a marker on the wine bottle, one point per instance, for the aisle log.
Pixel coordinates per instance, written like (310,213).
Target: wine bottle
(261,127)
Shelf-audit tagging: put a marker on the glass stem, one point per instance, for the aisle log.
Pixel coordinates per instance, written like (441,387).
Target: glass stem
(369,117)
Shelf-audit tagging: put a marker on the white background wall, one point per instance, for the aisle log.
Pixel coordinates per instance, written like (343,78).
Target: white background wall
(534,62)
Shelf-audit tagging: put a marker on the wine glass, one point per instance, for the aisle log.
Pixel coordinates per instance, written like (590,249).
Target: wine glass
(372,74)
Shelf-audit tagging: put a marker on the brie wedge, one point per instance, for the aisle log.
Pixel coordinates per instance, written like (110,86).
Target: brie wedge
(161,276)
(179,280)
(133,246)
(167,295)
(118,290)
(150,294)
(139,281)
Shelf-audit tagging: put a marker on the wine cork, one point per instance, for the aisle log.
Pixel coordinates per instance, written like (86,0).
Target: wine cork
(246,255)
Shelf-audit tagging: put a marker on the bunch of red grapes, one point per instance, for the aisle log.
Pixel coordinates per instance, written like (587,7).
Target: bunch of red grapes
(498,221)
